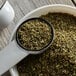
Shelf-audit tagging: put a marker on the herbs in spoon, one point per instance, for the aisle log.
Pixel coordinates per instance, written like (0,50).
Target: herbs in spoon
(34,34)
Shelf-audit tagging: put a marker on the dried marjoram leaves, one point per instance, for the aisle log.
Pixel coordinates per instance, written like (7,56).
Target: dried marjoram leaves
(34,34)
(60,58)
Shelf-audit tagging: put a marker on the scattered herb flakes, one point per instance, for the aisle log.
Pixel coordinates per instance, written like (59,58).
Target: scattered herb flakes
(60,58)
(34,35)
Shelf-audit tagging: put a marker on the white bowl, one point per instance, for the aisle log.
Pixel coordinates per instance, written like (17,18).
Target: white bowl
(42,11)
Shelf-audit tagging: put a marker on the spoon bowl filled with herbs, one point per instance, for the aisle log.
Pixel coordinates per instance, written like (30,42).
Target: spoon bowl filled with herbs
(35,35)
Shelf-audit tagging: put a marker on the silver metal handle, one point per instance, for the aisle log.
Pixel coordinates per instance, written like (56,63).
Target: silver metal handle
(14,71)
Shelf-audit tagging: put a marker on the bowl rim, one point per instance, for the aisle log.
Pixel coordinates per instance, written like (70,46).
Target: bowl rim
(13,70)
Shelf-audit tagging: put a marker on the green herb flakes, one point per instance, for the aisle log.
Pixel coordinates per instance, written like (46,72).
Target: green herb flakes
(34,35)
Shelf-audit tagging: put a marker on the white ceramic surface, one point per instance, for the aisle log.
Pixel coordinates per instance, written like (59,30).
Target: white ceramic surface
(42,11)
(7,13)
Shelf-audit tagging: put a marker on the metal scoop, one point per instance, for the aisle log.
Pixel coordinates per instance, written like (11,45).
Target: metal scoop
(15,52)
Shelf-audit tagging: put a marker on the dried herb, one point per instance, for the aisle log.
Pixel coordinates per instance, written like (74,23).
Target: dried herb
(60,58)
(34,34)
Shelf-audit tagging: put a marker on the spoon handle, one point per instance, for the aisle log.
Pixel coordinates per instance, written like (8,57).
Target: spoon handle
(10,56)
